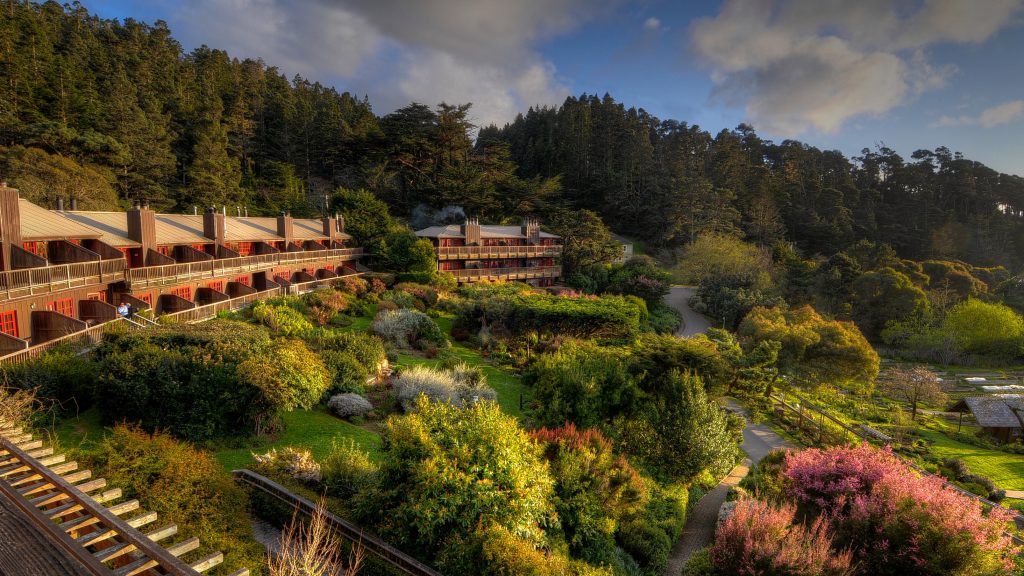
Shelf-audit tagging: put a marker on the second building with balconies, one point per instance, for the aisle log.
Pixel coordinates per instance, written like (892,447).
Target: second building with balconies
(473,252)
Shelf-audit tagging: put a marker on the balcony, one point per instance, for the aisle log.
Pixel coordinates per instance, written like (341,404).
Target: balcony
(29,281)
(175,273)
(492,252)
(530,273)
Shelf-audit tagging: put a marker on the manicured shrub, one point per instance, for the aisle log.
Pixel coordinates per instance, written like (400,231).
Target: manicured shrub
(349,405)
(347,374)
(354,285)
(324,303)
(347,470)
(447,471)
(460,387)
(288,462)
(289,375)
(183,379)
(760,539)
(281,319)
(60,378)
(184,486)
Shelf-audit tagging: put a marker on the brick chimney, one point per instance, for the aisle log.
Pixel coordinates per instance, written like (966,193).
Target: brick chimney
(330,230)
(284,227)
(142,227)
(10,224)
(471,230)
(215,225)
(531,229)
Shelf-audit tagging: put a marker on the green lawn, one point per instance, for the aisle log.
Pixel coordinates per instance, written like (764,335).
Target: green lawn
(312,429)
(1004,469)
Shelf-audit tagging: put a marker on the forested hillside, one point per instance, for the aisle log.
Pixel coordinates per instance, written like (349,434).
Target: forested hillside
(113,112)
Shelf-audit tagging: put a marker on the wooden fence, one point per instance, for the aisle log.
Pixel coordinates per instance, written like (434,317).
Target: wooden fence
(390,555)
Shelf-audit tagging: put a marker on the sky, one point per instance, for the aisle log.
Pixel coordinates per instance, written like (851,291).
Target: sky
(836,74)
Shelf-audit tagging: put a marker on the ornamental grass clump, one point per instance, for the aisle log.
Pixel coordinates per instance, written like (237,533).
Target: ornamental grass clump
(460,386)
(349,405)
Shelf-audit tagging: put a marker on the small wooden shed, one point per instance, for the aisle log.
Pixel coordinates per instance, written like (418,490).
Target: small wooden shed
(999,415)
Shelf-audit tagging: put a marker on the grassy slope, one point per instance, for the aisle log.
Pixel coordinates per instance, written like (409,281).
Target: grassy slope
(1004,469)
(313,429)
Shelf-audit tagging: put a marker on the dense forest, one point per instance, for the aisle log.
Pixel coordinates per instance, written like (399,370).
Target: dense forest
(115,112)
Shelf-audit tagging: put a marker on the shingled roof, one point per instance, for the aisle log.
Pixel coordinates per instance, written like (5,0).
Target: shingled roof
(994,411)
(486,231)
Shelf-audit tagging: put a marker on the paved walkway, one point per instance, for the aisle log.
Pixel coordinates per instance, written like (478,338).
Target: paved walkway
(693,323)
(758,441)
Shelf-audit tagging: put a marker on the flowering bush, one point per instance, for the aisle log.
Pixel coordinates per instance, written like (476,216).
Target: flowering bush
(294,463)
(461,387)
(348,405)
(325,303)
(423,293)
(897,521)
(759,539)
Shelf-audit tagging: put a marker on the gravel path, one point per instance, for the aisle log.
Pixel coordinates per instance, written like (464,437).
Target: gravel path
(693,323)
(699,531)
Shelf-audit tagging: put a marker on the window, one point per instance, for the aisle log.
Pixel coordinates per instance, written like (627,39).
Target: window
(165,250)
(101,296)
(286,276)
(244,248)
(65,306)
(199,247)
(147,298)
(183,292)
(9,323)
(32,247)
(243,280)
(218,285)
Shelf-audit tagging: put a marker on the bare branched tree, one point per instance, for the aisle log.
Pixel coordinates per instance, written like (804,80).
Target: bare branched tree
(313,549)
(917,385)
(16,406)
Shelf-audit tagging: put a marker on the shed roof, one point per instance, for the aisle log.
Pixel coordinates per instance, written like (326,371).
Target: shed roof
(38,223)
(486,231)
(112,225)
(994,411)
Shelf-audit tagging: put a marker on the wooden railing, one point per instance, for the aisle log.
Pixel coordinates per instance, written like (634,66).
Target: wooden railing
(15,283)
(526,273)
(399,561)
(463,252)
(207,311)
(173,273)
(81,339)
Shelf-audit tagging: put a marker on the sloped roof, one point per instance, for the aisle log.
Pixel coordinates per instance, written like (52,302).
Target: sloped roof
(38,223)
(112,225)
(308,229)
(180,229)
(486,231)
(251,229)
(995,411)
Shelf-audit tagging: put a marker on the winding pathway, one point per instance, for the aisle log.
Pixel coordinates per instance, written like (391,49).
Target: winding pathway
(758,441)
(693,323)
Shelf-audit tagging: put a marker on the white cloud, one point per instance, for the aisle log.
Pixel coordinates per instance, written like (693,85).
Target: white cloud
(813,64)
(481,52)
(1004,113)
(652,23)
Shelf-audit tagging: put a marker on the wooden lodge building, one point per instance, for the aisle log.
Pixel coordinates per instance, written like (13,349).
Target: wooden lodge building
(63,270)
(473,252)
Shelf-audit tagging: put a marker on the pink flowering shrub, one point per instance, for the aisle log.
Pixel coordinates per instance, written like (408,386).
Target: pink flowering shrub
(760,539)
(896,521)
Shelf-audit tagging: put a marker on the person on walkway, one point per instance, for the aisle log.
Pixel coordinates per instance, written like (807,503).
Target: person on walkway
(123,310)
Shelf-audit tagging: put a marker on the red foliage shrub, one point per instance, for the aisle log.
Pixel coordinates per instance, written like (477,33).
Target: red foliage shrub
(759,539)
(897,521)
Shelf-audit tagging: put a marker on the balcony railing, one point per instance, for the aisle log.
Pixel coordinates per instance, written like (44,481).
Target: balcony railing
(464,252)
(173,273)
(15,283)
(529,273)
(79,340)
